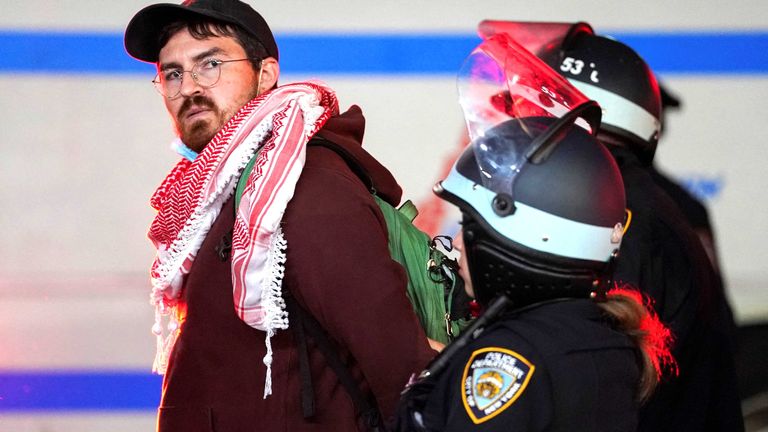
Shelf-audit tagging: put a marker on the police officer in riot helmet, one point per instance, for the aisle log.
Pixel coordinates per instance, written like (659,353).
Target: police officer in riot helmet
(558,346)
(661,254)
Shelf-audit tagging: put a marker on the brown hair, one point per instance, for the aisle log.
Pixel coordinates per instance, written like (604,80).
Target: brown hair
(632,314)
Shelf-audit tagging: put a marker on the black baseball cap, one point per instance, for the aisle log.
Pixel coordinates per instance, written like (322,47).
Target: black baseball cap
(141,35)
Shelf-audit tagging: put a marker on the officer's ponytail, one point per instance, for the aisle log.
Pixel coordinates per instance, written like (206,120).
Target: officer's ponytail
(634,317)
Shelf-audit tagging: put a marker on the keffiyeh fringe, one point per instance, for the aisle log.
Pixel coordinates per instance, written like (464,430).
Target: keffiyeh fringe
(276,315)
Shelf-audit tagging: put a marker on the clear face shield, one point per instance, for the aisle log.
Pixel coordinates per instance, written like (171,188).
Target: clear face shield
(541,199)
(515,108)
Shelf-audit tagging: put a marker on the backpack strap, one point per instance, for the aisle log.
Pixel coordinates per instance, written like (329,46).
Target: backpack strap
(240,188)
(307,325)
(307,393)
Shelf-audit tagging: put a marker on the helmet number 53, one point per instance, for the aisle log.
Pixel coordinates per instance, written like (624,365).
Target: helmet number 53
(572,65)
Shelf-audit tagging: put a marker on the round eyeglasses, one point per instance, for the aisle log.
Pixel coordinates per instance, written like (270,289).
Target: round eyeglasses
(206,74)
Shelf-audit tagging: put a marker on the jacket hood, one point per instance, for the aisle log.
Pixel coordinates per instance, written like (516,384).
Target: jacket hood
(346,130)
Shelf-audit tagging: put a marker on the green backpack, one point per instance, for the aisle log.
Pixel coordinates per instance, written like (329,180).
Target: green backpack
(433,285)
(432,279)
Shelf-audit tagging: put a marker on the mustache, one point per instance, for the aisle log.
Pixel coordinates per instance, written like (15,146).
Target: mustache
(197,100)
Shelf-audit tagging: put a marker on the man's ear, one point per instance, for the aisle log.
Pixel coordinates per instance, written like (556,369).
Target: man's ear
(270,72)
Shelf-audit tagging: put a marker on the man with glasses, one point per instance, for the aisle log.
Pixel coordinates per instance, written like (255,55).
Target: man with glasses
(283,310)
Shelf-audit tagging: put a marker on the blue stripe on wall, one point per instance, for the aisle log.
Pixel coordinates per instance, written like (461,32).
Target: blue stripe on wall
(103,53)
(702,53)
(79,391)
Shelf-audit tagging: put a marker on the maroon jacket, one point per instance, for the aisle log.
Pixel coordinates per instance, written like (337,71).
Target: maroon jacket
(339,270)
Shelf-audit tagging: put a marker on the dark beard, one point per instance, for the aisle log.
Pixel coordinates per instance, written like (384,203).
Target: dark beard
(198,134)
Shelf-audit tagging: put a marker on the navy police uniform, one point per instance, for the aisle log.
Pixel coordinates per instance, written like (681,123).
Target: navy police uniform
(554,366)
(663,257)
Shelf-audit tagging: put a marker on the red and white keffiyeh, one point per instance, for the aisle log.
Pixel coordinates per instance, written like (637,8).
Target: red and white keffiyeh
(278,125)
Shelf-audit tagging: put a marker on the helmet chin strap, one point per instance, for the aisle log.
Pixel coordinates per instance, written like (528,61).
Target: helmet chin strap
(604,283)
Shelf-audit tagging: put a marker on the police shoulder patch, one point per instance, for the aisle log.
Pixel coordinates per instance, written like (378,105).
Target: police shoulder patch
(493,380)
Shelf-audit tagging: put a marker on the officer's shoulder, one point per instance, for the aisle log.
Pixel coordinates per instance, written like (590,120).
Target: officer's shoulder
(510,334)
(556,328)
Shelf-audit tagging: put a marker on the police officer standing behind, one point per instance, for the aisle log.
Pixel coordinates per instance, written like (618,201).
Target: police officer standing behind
(662,254)
(557,347)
